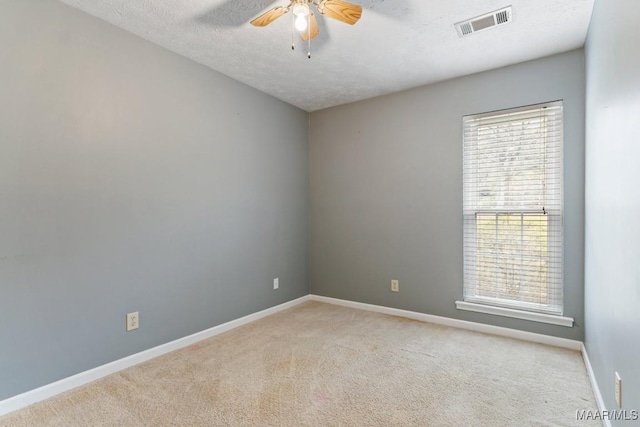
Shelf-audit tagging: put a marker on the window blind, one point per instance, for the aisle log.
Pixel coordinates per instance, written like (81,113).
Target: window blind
(513,208)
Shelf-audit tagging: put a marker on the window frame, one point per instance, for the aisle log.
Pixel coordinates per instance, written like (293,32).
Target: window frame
(549,313)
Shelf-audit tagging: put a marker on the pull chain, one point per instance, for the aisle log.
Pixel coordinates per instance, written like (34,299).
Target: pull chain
(309,33)
(293,31)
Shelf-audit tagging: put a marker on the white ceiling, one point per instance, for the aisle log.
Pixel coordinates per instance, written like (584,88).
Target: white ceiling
(396,45)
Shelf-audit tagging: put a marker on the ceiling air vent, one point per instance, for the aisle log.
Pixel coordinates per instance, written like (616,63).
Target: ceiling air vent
(479,23)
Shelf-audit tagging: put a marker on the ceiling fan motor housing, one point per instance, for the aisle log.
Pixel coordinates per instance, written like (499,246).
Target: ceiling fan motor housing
(301,9)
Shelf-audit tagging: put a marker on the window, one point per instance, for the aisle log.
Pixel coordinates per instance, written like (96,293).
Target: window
(513,209)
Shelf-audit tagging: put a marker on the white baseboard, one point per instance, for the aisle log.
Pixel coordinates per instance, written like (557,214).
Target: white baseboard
(455,323)
(30,397)
(594,385)
(25,399)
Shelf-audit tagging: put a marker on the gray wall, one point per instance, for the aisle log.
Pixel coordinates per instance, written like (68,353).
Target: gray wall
(133,179)
(386,190)
(612,232)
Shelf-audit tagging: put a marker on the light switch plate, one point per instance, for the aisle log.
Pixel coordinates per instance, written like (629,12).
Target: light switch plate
(618,390)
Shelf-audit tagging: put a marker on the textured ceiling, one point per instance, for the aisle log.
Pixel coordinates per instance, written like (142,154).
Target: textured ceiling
(396,45)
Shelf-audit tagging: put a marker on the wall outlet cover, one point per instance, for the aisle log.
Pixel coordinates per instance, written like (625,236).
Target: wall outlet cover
(395,286)
(133,321)
(276,283)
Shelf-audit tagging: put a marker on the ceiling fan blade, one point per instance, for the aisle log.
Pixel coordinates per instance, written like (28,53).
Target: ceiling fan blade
(269,16)
(313,31)
(348,13)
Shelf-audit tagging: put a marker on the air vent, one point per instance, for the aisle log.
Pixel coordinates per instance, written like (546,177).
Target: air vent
(503,17)
(482,22)
(465,28)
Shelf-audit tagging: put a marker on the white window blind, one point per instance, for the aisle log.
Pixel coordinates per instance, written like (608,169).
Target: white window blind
(513,215)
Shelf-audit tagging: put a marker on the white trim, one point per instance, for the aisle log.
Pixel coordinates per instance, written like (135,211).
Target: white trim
(516,314)
(456,323)
(594,385)
(30,397)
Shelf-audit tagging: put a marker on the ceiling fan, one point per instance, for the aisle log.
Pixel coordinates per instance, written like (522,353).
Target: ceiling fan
(304,20)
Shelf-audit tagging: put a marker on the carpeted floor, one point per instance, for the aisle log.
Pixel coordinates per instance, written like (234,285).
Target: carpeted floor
(323,365)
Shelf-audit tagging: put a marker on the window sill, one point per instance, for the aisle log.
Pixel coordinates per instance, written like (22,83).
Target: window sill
(517,314)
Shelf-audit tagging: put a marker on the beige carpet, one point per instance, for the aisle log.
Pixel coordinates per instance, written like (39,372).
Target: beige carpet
(323,365)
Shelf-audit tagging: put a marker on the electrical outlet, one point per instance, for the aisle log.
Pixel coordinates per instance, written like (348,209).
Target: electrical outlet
(276,283)
(133,321)
(618,390)
(395,286)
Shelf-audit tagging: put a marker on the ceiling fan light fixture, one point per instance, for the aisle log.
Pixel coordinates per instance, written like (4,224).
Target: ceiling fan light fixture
(301,12)
(301,22)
